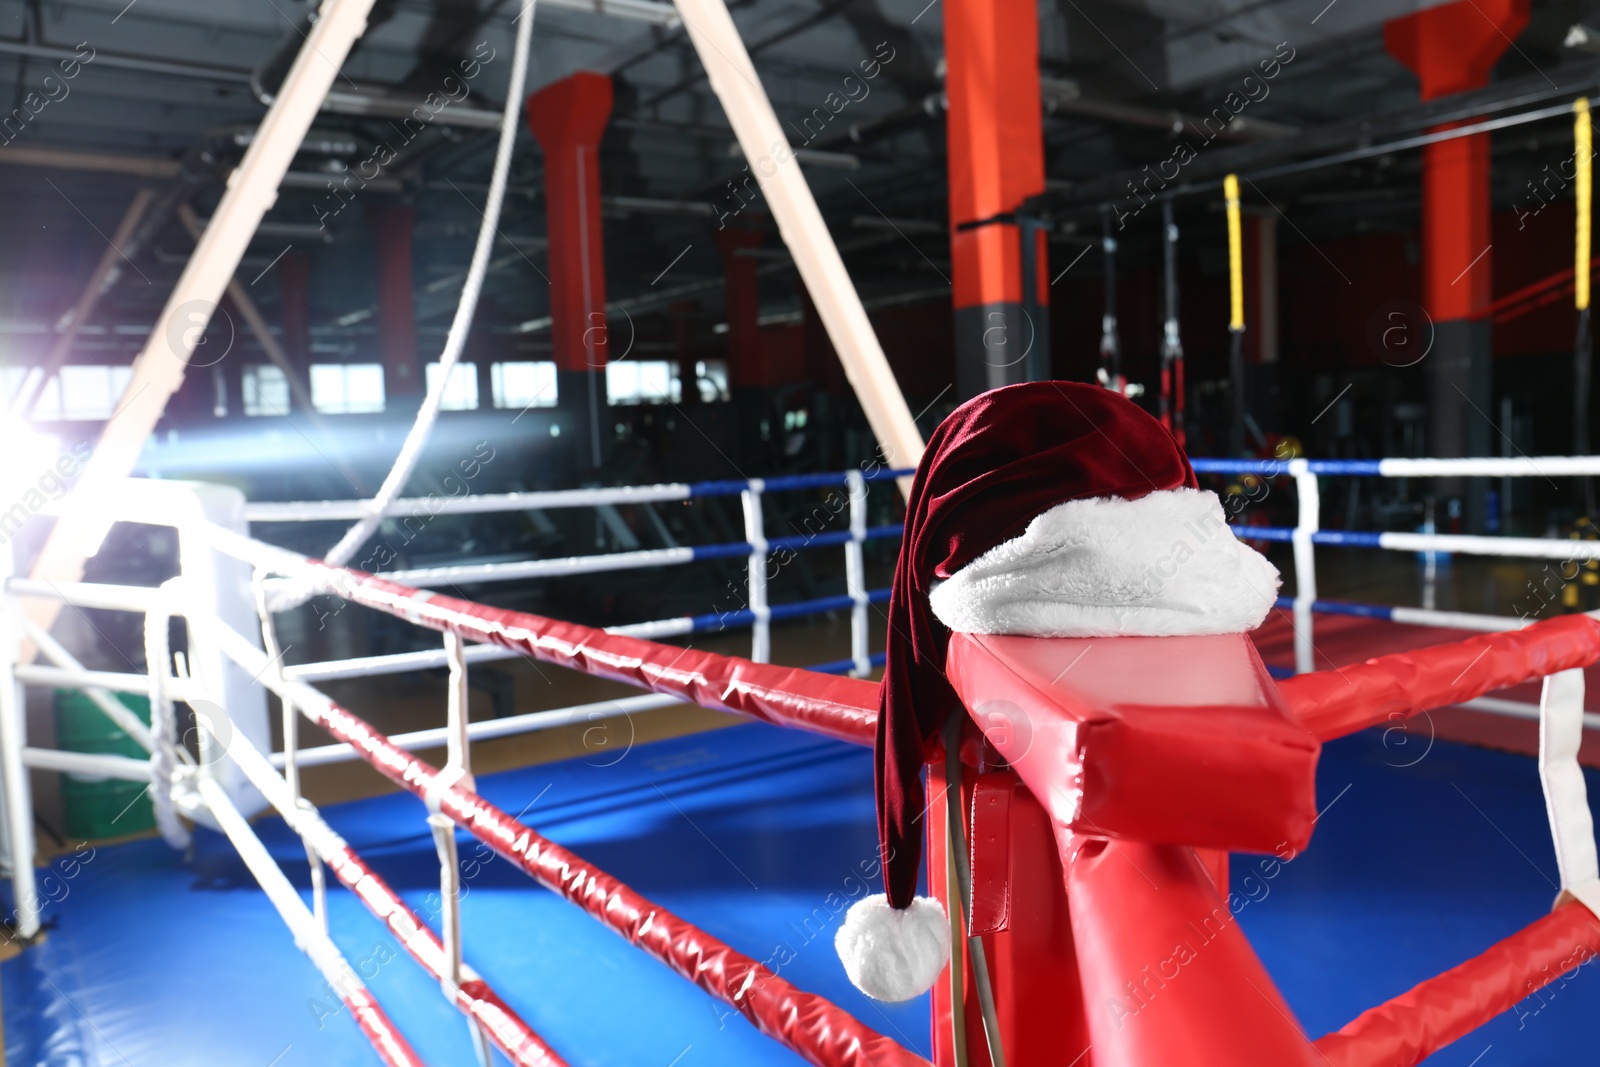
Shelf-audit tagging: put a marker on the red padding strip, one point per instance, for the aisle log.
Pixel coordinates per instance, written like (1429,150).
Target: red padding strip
(1346,699)
(838,707)
(817,1030)
(391,1047)
(1414,1025)
(505,1028)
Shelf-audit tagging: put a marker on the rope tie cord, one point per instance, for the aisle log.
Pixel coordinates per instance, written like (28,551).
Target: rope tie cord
(165,772)
(291,741)
(1566,796)
(1583,159)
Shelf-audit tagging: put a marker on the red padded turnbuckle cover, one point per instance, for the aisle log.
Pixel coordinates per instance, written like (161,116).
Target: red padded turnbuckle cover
(1176,740)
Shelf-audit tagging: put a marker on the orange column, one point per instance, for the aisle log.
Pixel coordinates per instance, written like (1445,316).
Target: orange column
(996,160)
(568,117)
(391,225)
(1451,48)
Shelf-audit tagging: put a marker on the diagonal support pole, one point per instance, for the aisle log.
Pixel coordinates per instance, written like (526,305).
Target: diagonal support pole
(159,369)
(734,79)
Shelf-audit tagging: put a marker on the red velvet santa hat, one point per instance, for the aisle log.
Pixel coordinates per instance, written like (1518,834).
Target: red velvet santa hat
(1037,509)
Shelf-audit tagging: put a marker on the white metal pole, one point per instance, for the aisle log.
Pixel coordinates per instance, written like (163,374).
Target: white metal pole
(755,531)
(18,785)
(458,751)
(855,574)
(766,147)
(1305,564)
(458,771)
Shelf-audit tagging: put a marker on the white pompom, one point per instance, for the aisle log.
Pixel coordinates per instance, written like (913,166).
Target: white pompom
(894,955)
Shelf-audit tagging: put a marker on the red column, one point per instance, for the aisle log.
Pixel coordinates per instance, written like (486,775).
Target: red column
(743,289)
(822,362)
(996,161)
(391,225)
(294,309)
(682,313)
(1451,48)
(568,117)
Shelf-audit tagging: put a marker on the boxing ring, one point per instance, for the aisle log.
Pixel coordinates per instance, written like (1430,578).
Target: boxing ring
(1080,832)
(1054,764)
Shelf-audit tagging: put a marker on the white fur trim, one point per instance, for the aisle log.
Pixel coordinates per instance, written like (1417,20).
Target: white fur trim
(1162,565)
(894,955)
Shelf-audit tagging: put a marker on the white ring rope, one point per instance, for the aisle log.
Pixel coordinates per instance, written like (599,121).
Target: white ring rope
(411,450)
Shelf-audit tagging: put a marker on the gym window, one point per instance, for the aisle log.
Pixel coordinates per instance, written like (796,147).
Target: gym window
(636,381)
(461,391)
(265,389)
(88,392)
(520,386)
(347,388)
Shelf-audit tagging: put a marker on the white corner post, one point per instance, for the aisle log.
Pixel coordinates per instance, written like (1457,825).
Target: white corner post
(158,371)
(1305,563)
(855,575)
(755,532)
(18,784)
(215,586)
(766,147)
(219,587)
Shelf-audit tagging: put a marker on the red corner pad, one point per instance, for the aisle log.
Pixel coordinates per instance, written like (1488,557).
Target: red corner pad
(1175,740)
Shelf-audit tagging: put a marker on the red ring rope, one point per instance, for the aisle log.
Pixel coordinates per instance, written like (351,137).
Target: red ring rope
(474,997)
(380,1030)
(837,707)
(816,1029)
(1341,701)
(1412,1026)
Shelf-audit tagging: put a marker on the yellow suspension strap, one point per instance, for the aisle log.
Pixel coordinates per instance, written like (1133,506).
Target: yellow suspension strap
(1230,186)
(1583,350)
(1583,157)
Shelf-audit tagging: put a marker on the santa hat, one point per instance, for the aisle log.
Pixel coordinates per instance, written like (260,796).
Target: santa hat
(1050,509)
